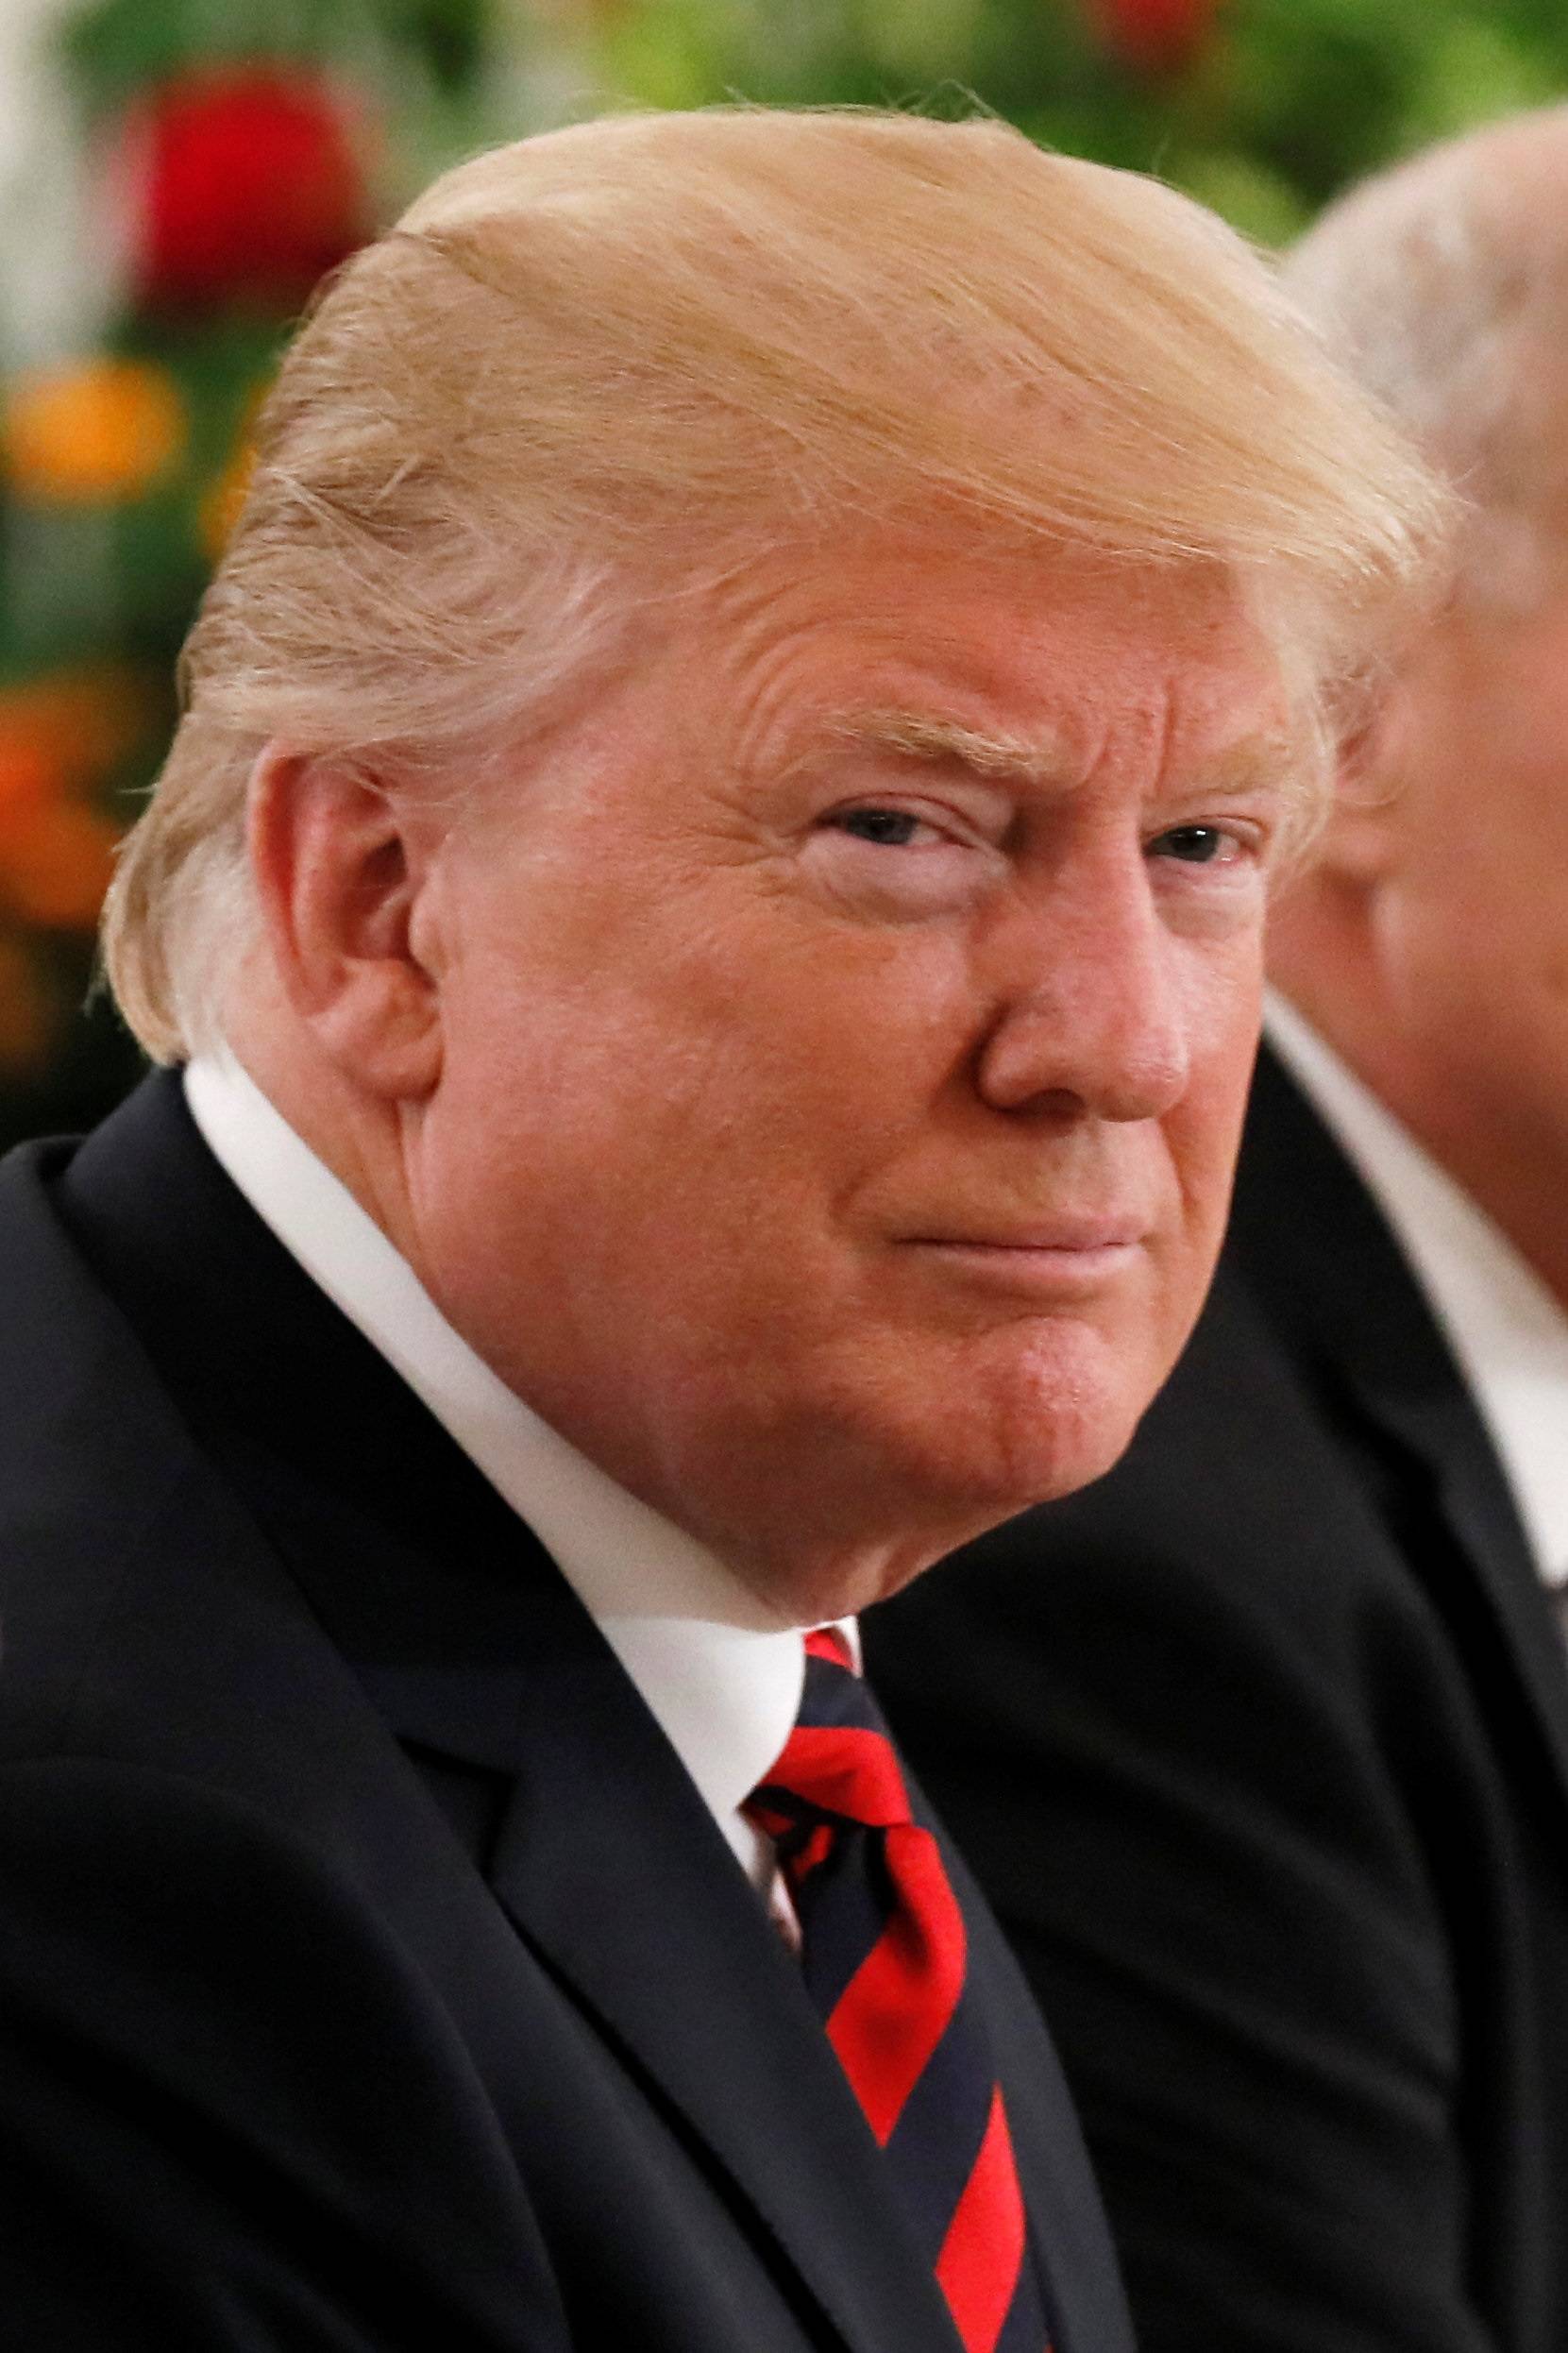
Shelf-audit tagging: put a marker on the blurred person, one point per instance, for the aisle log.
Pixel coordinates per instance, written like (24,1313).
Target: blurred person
(1260,1746)
(705,922)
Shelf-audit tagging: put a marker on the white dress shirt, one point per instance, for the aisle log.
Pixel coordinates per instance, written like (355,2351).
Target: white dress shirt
(721,1673)
(1506,1331)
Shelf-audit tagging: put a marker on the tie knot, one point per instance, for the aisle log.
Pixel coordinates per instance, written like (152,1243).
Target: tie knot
(838,1763)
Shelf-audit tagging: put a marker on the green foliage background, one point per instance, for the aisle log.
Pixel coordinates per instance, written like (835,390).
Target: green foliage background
(1283,102)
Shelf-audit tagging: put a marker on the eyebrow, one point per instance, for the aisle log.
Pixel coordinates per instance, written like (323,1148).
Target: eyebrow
(1040,759)
(1255,764)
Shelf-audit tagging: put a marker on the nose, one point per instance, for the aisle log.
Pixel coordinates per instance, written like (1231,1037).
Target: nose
(1091,1018)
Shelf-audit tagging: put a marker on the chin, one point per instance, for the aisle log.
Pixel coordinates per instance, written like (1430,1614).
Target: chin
(988,1467)
(1058,1419)
(1081,1449)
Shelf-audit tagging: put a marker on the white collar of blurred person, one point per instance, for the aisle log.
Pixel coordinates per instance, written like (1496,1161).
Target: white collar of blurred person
(1506,1329)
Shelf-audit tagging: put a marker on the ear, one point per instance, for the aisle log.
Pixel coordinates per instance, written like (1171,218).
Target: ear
(340,866)
(1362,840)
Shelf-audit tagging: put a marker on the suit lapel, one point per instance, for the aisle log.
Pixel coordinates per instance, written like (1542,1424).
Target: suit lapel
(1331,1273)
(469,1641)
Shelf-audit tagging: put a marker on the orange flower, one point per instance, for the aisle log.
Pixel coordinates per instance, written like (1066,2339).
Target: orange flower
(69,727)
(85,435)
(28,777)
(54,865)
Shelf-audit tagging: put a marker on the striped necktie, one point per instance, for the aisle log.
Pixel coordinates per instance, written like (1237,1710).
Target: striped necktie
(883,1949)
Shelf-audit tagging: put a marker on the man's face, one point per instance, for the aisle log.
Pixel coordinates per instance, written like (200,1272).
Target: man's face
(846,1029)
(1472,912)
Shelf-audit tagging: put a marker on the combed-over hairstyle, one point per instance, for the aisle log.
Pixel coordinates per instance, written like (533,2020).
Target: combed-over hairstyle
(1442,284)
(590,367)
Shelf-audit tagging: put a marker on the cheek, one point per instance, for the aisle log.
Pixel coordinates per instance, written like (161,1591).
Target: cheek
(1506,1033)
(647,1140)
(1475,965)
(1204,1131)
(811,1050)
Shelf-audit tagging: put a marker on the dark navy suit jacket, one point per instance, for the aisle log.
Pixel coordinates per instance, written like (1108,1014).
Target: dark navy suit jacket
(371,1974)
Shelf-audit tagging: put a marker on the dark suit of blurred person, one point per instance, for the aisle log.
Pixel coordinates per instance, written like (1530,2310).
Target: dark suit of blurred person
(1261,1744)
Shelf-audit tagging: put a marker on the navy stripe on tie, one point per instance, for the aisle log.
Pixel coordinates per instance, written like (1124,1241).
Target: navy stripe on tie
(843,1907)
(934,2145)
(1025,2329)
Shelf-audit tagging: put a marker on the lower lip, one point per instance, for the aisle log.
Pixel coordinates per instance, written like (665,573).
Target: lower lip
(1036,1270)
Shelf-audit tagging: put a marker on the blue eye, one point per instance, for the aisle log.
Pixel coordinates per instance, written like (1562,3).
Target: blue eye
(1195,845)
(894,828)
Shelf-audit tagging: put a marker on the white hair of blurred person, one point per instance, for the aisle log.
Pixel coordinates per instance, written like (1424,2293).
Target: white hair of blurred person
(592,370)
(1443,285)
(1426,945)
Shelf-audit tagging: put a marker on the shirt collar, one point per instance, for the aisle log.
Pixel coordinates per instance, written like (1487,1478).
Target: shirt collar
(721,1675)
(1508,1332)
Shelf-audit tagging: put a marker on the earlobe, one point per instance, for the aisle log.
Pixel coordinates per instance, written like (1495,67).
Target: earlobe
(1358,845)
(1361,842)
(340,866)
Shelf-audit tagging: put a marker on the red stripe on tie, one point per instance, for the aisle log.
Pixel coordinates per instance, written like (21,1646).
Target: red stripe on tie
(826,1642)
(874,1899)
(978,2268)
(848,1768)
(895,2009)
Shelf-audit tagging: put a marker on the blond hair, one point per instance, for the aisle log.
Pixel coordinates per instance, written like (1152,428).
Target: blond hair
(650,346)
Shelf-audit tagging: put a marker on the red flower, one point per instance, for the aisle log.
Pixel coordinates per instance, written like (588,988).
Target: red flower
(1154,36)
(249,188)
